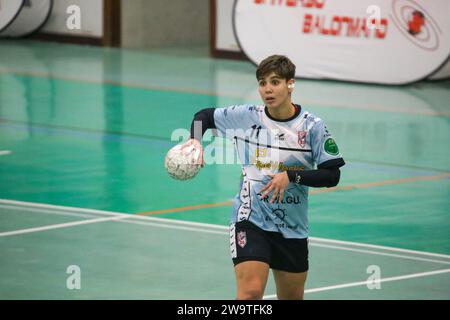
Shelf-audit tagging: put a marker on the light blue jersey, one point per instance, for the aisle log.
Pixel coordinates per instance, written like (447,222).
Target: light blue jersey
(265,145)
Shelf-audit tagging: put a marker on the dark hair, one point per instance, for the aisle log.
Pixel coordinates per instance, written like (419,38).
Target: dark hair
(281,65)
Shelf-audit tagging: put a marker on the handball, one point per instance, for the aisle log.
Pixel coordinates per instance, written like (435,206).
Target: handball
(183,164)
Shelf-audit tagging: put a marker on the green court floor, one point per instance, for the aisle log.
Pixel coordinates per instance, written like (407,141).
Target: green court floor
(83,135)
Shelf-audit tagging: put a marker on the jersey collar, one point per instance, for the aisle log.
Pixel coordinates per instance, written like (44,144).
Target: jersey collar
(298,110)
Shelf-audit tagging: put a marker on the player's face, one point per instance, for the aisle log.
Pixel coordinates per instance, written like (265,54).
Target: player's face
(274,91)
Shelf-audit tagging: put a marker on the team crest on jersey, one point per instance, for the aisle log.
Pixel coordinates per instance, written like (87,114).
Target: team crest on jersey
(242,238)
(331,147)
(302,138)
(261,152)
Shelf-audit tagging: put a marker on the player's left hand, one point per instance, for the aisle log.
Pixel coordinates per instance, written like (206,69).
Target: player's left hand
(197,145)
(278,184)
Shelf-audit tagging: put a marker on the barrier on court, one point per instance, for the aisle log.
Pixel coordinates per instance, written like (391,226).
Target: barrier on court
(8,12)
(442,73)
(373,41)
(23,17)
(74,21)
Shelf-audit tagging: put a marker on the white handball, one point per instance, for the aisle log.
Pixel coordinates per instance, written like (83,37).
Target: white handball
(182,164)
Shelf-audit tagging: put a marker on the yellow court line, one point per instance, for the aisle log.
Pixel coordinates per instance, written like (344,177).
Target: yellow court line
(116,83)
(210,93)
(200,206)
(382,183)
(317,191)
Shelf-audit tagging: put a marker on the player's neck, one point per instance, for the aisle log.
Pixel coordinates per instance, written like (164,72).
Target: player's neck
(283,112)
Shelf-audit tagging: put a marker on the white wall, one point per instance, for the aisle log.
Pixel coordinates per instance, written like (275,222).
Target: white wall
(153,23)
(225,39)
(91,14)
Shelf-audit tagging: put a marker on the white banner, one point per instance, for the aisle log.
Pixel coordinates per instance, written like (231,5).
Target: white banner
(33,15)
(442,73)
(9,9)
(376,41)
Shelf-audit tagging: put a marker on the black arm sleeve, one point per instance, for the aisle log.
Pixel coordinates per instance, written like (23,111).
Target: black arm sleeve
(316,178)
(326,175)
(206,118)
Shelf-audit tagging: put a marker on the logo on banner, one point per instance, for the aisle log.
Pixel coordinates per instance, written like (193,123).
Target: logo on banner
(302,138)
(416,24)
(242,238)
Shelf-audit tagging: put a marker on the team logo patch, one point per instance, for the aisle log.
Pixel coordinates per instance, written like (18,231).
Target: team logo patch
(331,147)
(261,152)
(242,238)
(302,138)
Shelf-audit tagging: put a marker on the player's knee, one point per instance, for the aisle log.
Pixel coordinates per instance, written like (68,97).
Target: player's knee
(293,294)
(251,290)
(252,293)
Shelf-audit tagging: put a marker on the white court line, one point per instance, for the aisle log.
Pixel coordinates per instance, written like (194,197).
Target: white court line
(5,152)
(373,246)
(345,285)
(199,230)
(362,283)
(206,225)
(122,218)
(59,213)
(57,226)
(111,213)
(379,253)
(97,220)
(116,217)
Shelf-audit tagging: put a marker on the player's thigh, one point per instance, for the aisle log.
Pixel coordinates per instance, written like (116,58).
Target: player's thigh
(251,279)
(250,251)
(290,285)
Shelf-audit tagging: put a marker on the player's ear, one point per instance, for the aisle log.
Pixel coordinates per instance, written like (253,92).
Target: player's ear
(291,85)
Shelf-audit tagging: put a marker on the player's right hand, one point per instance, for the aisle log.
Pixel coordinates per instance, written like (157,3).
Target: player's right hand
(197,145)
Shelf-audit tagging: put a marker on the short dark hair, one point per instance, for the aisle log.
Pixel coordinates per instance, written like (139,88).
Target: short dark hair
(281,65)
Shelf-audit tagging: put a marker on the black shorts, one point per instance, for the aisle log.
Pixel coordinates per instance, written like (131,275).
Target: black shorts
(250,243)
